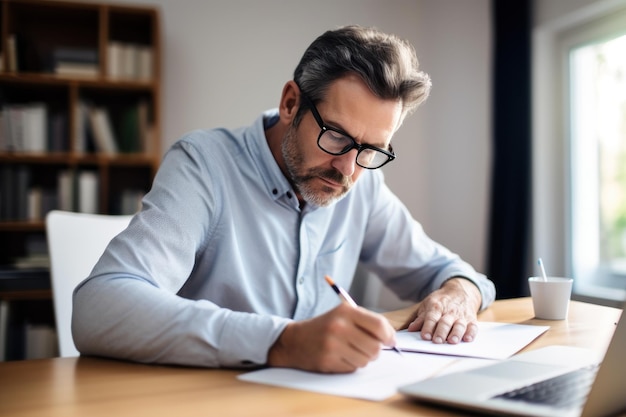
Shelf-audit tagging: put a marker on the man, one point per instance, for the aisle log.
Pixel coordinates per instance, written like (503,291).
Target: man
(225,263)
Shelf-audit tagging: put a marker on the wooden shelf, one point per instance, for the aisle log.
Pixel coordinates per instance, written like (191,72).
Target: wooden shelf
(76,158)
(22,226)
(26,295)
(37,38)
(40,41)
(66,80)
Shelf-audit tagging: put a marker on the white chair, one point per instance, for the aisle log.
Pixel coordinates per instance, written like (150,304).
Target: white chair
(75,243)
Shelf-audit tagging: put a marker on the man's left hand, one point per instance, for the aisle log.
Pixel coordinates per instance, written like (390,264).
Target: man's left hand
(450,313)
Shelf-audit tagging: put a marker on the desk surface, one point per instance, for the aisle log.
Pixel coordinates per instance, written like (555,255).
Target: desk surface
(100,387)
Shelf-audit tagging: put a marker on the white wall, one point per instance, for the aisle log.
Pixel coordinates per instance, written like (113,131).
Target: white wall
(454,46)
(225,61)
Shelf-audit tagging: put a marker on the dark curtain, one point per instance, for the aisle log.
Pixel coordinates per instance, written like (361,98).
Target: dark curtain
(509,230)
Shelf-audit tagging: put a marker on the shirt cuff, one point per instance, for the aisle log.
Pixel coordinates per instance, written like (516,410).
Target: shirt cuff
(246,339)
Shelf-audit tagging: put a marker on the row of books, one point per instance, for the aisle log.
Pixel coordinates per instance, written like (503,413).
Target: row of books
(76,190)
(130,61)
(79,190)
(125,60)
(39,340)
(113,130)
(75,61)
(32,127)
(20,199)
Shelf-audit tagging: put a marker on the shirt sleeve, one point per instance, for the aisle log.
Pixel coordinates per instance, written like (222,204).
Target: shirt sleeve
(128,307)
(398,250)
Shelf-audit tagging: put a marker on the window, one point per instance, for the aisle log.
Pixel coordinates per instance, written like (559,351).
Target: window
(579,149)
(597,114)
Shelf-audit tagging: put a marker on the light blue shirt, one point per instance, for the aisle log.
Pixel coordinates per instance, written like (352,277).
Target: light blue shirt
(221,257)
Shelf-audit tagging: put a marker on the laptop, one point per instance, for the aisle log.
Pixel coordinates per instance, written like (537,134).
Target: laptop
(551,381)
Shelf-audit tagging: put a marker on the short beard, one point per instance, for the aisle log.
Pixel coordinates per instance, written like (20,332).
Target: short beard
(301,181)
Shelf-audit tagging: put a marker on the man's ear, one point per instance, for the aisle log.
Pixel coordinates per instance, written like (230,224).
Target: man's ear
(289,102)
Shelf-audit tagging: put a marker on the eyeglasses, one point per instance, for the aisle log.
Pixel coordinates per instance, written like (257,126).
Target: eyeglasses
(335,142)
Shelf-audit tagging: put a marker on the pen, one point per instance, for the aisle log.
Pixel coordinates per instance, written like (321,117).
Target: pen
(346,297)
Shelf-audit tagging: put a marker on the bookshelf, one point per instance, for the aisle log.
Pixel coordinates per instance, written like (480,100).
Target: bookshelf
(79,120)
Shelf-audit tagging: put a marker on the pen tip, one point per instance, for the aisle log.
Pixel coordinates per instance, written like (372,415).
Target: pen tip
(329,280)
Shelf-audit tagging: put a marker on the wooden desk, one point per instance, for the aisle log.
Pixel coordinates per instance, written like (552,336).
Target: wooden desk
(99,387)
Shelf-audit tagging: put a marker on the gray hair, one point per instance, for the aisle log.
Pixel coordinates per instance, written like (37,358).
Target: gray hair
(386,63)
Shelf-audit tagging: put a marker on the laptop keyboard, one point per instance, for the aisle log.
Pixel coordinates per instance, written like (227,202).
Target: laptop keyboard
(564,391)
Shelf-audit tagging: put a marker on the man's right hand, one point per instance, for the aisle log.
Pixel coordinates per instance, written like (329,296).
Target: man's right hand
(340,341)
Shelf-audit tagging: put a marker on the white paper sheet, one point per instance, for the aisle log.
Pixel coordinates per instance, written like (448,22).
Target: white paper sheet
(377,381)
(381,378)
(494,341)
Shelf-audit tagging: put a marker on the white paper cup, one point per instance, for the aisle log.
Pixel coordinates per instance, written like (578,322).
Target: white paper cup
(550,297)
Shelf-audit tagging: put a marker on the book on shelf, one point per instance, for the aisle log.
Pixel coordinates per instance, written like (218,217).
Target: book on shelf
(78,191)
(58,137)
(35,204)
(35,127)
(14,192)
(130,61)
(81,127)
(75,61)
(12,126)
(49,201)
(32,261)
(88,192)
(77,69)
(22,181)
(146,128)
(8,208)
(41,341)
(24,127)
(128,130)
(134,128)
(114,59)
(73,54)
(102,128)
(96,128)
(65,188)
(12,53)
(145,69)
(20,199)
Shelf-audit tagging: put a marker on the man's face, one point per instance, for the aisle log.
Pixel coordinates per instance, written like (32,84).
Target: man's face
(318,177)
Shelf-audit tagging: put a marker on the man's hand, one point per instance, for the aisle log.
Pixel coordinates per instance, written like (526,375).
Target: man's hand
(340,341)
(450,313)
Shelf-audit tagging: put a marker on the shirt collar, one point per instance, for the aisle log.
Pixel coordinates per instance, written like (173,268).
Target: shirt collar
(275,182)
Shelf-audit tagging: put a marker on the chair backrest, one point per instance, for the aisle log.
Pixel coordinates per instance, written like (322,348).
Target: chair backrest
(75,243)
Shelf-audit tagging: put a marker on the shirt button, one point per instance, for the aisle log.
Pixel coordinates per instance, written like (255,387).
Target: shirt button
(301,280)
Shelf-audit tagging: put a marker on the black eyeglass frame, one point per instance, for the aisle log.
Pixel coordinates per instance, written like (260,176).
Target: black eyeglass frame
(324,128)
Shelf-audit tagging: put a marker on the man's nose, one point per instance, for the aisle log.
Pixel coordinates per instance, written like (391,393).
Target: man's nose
(346,163)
